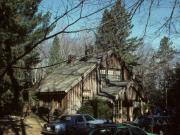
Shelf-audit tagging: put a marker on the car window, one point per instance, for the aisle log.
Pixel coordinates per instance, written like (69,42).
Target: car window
(88,118)
(123,131)
(104,131)
(147,121)
(137,131)
(79,119)
(161,120)
(65,118)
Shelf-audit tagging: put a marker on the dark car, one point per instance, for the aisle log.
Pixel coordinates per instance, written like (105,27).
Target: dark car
(71,124)
(118,129)
(155,124)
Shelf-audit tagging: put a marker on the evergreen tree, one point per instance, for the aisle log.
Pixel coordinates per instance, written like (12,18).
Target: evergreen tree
(55,54)
(164,57)
(21,25)
(165,52)
(114,33)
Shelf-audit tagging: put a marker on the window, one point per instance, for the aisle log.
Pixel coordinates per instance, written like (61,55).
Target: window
(79,119)
(103,73)
(114,75)
(137,131)
(123,131)
(65,118)
(88,118)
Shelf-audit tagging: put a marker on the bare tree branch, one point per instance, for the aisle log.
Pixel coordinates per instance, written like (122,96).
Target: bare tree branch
(148,18)
(51,36)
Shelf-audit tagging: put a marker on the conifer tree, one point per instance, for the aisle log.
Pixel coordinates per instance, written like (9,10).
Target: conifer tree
(20,24)
(115,31)
(165,52)
(55,54)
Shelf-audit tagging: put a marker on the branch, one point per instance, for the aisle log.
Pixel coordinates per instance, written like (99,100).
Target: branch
(135,6)
(168,22)
(46,38)
(149,15)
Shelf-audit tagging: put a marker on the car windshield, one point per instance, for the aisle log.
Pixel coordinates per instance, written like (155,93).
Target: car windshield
(89,118)
(147,120)
(143,120)
(65,118)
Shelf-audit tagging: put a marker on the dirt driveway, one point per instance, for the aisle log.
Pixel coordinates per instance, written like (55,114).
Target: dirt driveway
(33,125)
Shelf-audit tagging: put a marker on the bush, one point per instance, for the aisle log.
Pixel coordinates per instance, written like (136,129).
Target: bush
(97,108)
(57,113)
(43,111)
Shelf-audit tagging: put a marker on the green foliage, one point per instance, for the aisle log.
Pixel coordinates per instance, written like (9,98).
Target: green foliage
(174,85)
(163,74)
(21,26)
(97,108)
(114,33)
(55,54)
(165,52)
(86,108)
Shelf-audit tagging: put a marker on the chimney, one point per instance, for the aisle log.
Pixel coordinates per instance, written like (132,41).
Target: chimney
(89,50)
(71,59)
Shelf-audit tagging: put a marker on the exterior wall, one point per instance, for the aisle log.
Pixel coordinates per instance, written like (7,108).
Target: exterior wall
(113,63)
(90,85)
(74,100)
(84,90)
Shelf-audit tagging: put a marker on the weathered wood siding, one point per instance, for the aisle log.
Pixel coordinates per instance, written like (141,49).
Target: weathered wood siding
(71,101)
(90,85)
(74,99)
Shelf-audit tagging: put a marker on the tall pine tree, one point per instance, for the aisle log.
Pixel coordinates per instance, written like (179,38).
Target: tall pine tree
(21,25)
(114,33)
(55,56)
(165,52)
(164,57)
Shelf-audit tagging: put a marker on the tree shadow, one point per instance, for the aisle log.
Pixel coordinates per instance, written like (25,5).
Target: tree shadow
(14,125)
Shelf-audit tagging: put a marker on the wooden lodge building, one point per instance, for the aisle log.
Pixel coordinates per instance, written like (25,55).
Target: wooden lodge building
(104,76)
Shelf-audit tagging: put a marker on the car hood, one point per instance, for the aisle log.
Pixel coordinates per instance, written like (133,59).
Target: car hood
(151,133)
(97,121)
(53,123)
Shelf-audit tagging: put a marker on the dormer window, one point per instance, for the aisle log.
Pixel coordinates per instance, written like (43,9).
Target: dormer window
(114,75)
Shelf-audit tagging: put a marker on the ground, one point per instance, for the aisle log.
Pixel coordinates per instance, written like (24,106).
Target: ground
(33,125)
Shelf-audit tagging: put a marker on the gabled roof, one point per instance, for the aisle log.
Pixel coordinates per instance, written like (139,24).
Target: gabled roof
(66,77)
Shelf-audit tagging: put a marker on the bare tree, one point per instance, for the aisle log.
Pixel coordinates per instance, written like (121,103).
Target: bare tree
(69,9)
(78,8)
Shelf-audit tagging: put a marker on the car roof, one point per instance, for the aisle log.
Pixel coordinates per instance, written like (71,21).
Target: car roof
(74,115)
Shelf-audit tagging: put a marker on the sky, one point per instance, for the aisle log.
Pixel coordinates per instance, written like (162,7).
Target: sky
(57,7)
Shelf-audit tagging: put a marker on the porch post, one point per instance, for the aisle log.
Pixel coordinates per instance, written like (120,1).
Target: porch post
(121,112)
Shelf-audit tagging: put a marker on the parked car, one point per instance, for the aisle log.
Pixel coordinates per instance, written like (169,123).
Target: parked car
(155,124)
(118,129)
(71,124)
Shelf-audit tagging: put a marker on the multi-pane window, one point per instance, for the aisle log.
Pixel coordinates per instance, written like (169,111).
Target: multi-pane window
(112,75)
